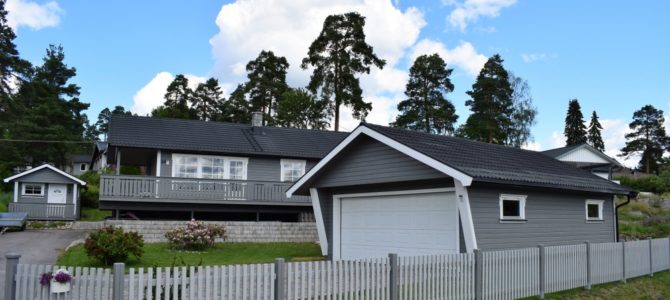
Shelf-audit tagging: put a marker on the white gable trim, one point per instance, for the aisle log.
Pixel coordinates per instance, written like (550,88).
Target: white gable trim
(465,179)
(606,158)
(320,225)
(45,166)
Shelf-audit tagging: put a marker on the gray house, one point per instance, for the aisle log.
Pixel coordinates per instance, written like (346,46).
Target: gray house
(384,190)
(46,193)
(208,170)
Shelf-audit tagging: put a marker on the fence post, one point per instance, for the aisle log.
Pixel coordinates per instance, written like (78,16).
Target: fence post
(12,262)
(479,273)
(589,272)
(543,266)
(651,259)
(393,276)
(118,282)
(623,264)
(280,278)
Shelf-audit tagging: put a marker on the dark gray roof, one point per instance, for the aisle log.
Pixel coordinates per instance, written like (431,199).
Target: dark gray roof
(79,158)
(501,164)
(219,137)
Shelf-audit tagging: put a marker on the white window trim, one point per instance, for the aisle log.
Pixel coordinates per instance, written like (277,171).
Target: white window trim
(522,207)
(83,167)
(23,189)
(282,161)
(226,165)
(600,204)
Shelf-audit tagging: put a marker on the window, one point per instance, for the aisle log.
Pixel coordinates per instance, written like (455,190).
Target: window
(292,169)
(512,207)
(33,189)
(212,167)
(83,167)
(594,210)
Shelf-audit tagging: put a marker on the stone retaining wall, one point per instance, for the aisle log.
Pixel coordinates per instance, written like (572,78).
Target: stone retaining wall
(154,231)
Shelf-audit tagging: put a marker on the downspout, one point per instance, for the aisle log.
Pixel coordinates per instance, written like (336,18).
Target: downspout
(616,214)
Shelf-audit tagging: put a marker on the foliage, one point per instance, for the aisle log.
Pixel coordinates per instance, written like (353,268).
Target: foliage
(654,184)
(162,255)
(94,214)
(427,108)
(195,236)
(337,55)
(102,125)
(491,104)
(110,245)
(12,66)
(575,130)
(298,108)
(176,100)
(5,198)
(648,138)
(523,112)
(205,99)
(594,137)
(90,193)
(236,109)
(267,83)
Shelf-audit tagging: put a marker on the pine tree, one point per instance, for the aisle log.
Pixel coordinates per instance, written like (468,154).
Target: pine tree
(176,100)
(523,115)
(300,109)
(267,82)
(236,109)
(575,130)
(426,108)
(648,138)
(13,69)
(491,104)
(594,137)
(102,125)
(205,99)
(338,54)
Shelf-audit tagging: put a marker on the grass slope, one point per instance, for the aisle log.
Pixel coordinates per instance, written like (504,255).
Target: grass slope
(159,254)
(641,219)
(94,214)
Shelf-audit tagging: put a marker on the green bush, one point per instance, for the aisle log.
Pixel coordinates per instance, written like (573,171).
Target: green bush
(90,192)
(195,236)
(111,244)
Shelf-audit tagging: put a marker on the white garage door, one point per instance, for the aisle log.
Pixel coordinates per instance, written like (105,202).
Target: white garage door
(412,224)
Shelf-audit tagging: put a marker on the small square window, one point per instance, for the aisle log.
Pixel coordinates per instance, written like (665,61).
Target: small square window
(83,167)
(292,170)
(512,207)
(33,189)
(594,210)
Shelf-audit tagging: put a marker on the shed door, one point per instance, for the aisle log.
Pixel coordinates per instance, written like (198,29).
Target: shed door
(57,193)
(411,224)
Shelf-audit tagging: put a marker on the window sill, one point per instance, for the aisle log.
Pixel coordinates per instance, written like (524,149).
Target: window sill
(513,221)
(595,221)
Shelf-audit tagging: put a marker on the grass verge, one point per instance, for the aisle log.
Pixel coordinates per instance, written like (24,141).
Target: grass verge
(160,255)
(5,197)
(94,214)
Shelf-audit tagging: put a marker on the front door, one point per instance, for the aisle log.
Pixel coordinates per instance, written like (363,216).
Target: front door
(57,193)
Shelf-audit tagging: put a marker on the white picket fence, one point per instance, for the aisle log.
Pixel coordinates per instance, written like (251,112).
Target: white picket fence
(502,274)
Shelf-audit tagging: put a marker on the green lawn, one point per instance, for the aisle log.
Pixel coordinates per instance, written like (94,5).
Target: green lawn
(5,198)
(645,287)
(94,214)
(159,254)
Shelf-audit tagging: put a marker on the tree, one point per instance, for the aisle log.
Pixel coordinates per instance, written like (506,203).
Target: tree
(205,99)
(267,82)
(300,109)
(575,130)
(426,107)
(523,112)
(337,55)
(594,137)
(236,109)
(13,69)
(491,104)
(648,138)
(105,115)
(176,100)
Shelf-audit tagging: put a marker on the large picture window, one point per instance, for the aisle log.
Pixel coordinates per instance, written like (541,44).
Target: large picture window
(292,169)
(512,207)
(212,167)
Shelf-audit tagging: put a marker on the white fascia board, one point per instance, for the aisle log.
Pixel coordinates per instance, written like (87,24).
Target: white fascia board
(45,166)
(320,225)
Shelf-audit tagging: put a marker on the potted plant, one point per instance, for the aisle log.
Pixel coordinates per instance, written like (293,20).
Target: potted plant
(58,282)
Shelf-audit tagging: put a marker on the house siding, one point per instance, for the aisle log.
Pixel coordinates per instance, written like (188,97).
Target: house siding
(553,218)
(43,199)
(368,162)
(45,176)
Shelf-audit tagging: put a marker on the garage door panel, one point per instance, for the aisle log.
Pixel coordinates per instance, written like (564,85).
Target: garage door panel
(414,224)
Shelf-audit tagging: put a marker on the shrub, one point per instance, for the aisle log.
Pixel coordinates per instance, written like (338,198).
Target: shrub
(195,236)
(111,244)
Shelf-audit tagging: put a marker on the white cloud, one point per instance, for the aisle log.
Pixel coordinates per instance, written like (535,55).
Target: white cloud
(33,15)
(557,139)
(469,11)
(152,94)
(533,57)
(535,146)
(463,56)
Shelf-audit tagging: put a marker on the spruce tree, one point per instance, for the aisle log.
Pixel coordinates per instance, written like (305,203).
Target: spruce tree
(575,130)
(176,100)
(594,137)
(205,99)
(648,138)
(298,108)
(266,84)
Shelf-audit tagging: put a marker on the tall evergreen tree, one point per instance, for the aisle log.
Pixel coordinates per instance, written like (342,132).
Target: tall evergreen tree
(102,125)
(491,104)
(426,108)
(267,82)
(523,112)
(338,54)
(236,109)
(13,69)
(648,138)
(176,100)
(594,137)
(575,130)
(298,108)
(205,99)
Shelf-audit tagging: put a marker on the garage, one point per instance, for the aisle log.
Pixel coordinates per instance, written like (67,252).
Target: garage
(406,223)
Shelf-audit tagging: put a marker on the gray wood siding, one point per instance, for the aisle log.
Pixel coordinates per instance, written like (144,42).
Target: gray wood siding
(368,162)
(552,218)
(43,199)
(45,176)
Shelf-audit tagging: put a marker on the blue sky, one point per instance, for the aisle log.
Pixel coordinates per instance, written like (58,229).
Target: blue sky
(612,56)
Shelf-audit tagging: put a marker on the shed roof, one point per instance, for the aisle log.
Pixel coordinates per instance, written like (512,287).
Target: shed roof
(42,167)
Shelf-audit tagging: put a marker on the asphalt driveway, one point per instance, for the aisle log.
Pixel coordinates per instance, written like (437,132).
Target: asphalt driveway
(36,246)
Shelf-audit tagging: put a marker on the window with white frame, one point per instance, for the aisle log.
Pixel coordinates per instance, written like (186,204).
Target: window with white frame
(512,207)
(207,166)
(292,169)
(33,189)
(594,210)
(83,167)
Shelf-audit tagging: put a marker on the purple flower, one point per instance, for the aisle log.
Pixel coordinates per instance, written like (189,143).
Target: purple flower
(62,277)
(45,278)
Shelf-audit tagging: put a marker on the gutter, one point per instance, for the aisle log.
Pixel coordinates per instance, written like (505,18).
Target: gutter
(616,212)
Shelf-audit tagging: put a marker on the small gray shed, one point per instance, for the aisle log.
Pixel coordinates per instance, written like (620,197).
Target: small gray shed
(46,193)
